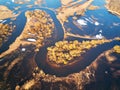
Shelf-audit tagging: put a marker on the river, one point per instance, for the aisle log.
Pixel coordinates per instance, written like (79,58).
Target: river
(95,23)
(21,21)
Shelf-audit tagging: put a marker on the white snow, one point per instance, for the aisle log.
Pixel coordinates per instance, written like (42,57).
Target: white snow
(31,40)
(23,49)
(29,33)
(82,22)
(99,36)
(97,23)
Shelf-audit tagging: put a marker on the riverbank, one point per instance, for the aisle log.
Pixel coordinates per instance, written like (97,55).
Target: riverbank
(113,6)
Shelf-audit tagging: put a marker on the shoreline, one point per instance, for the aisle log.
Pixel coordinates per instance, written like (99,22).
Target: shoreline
(113,12)
(62,16)
(109,6)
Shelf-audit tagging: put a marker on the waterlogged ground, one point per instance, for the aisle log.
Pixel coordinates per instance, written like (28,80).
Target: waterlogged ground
(59,45)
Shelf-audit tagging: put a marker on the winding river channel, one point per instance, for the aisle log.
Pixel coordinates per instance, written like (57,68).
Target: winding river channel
(107,24)
(34,64)
(20,24)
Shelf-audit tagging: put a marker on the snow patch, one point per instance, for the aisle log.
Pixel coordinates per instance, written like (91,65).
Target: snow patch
(82,22)
(31,40)
(97,23)
(23,49)
(99,36)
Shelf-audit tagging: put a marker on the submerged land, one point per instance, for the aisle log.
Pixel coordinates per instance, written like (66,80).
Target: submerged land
(39,60)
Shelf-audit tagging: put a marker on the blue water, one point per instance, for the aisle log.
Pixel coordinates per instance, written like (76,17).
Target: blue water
(53,3)
(105,19)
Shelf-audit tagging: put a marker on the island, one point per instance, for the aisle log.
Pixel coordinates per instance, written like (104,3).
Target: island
(65,52)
